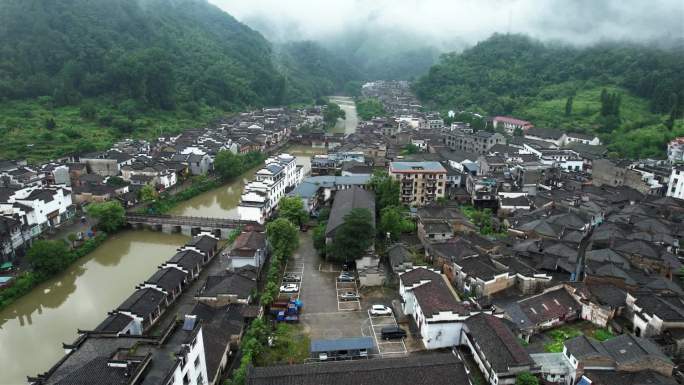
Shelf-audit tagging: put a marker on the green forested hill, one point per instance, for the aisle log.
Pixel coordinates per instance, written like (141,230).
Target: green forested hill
(159,53)
(515,75)
(311,70)
(77,74)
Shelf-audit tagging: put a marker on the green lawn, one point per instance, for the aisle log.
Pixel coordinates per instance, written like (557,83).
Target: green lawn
(290,346)
(25,136)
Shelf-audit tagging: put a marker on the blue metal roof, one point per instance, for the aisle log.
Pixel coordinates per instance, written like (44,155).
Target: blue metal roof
(353,343)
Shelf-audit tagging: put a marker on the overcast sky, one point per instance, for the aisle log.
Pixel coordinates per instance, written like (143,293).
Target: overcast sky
(452,22)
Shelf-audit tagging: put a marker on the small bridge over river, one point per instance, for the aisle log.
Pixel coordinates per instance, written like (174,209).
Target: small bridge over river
(221,227)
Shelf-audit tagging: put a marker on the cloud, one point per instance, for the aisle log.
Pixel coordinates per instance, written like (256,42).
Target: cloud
(451,23)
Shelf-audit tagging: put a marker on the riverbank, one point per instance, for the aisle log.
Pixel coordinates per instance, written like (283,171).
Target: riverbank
(33,327)
(27,280)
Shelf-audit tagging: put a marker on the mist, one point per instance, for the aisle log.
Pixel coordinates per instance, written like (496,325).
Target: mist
(451,25)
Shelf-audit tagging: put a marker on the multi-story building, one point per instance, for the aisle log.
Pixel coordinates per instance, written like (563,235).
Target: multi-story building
(261,196)
(479,142)
(39,208)
(675,150)
(510,124)
(675,187)
(421,182)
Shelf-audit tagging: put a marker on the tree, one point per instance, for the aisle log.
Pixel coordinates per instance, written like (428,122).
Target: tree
(228,165)
(390,222)
(526,378)
(116,182)
(386,190)
(50,124)
(354,236)
(72,239)
(331,113)
(88,111)
(318,237)
(49,257)
(483,220)
(148,193)
(518,132)
(283,237)
(292,209)
(410,149)
(370,108)
(111,215)
(568,106)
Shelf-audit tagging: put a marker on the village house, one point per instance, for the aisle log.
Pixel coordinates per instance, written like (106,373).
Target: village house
(428,298)
(345,201)
(250,248)
(509,124)
(38,208)
(651,314)
(227,288)
(555,306)
(624,353)
(495,349)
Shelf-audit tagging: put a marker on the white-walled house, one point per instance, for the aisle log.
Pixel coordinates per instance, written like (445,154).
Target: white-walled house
(427,297)
(261,196)
(39,207)
(576,137)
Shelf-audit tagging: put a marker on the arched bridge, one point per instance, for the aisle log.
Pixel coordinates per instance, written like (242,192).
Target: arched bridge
(220,227)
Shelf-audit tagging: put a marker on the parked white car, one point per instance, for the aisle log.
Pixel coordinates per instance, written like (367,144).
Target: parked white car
(380,310)
(289,288)
(349,296)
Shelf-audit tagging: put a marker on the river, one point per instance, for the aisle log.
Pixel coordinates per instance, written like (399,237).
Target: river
(347,125)
(34,327)
(222,201)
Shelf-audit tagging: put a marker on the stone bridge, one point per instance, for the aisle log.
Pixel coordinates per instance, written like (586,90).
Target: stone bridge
(190,226)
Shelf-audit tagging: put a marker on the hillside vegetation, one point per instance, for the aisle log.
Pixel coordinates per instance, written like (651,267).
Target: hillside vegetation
(515,75)
(77,74)
(312,71)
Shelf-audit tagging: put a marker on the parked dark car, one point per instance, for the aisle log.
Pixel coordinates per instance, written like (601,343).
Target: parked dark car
(291,278)
(392,332)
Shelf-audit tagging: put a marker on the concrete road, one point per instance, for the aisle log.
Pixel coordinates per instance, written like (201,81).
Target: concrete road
(318,288)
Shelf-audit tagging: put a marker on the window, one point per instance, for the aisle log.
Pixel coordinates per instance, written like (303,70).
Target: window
(197,362)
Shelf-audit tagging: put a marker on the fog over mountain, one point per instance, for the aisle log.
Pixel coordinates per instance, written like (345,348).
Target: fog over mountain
(449,25)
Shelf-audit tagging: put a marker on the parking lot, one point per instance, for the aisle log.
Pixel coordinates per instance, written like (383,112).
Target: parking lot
(385,347)
(324,315)
(347,304)
(296,268)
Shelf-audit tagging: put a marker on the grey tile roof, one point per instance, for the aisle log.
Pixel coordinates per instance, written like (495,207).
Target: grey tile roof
(646,377)
(143,302)
(583,347)
(499,345)
(228,283)
(627,349)
(416,369)
(168,278)
(204,243)
(188,259)
(345,201)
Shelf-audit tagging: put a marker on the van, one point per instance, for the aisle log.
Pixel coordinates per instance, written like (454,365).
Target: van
(392,332)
